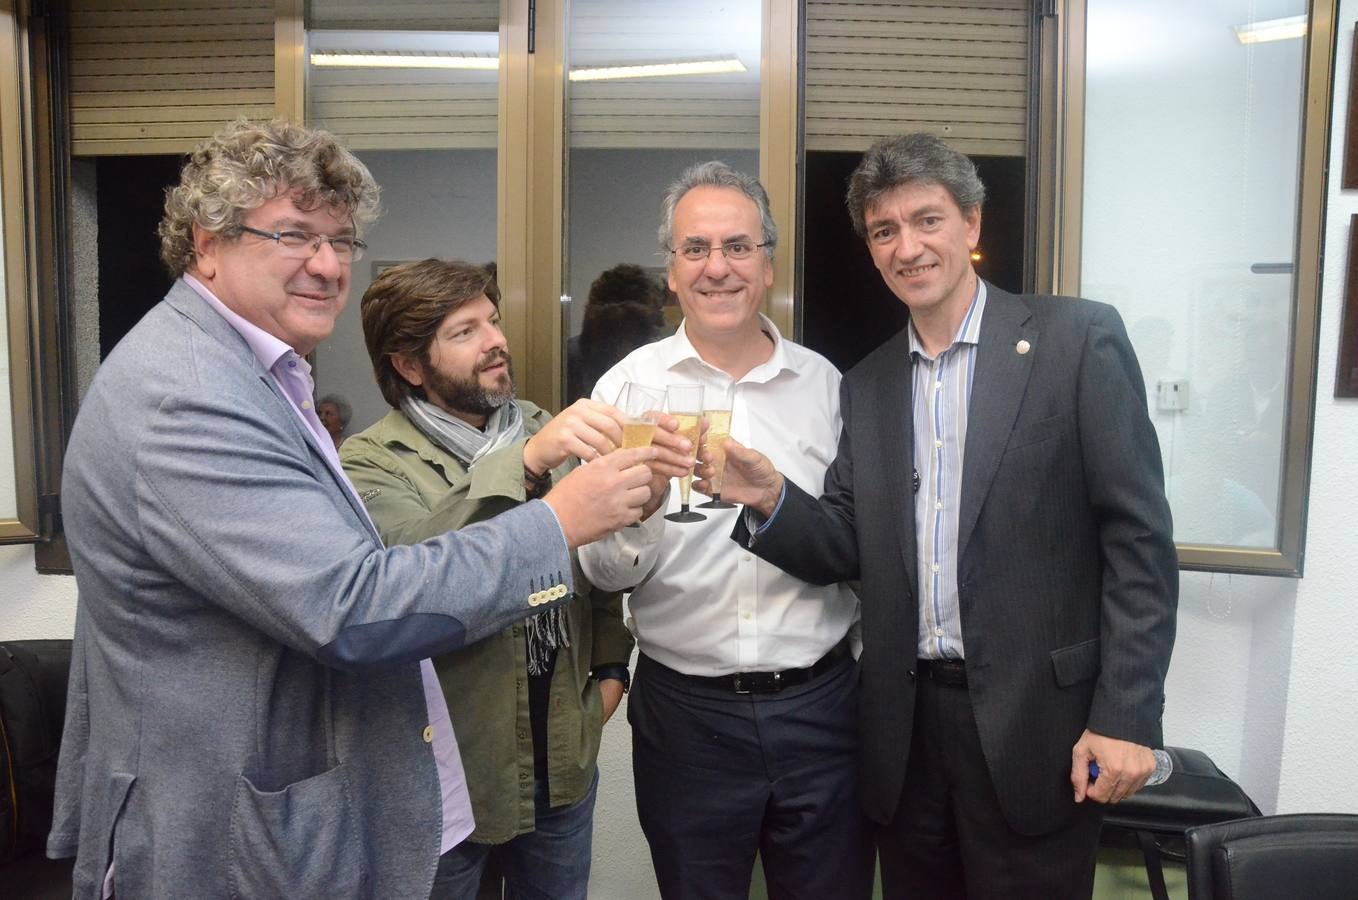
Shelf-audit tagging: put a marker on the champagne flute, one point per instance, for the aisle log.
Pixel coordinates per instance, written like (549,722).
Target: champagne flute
(717,404)
(640,406)
(685,403)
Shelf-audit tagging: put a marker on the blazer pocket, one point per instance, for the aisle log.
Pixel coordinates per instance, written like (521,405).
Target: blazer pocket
(1036,433)
(1076,663)
(299,842)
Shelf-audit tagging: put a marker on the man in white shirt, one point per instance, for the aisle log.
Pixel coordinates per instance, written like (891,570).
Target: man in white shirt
(743,709)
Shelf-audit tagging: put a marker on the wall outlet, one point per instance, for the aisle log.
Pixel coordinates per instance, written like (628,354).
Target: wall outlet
(1171,396)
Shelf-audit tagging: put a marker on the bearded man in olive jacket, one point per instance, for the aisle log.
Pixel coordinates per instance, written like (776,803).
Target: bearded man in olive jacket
(528,703)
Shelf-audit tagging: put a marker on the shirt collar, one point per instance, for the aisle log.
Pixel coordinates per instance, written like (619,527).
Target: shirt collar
(681,353)
(268,349)
(969,332)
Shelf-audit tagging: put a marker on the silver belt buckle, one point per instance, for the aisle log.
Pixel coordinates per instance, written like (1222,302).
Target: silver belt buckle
(739,684)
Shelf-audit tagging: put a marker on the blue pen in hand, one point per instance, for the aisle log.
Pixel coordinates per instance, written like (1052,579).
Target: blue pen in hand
(1164,767)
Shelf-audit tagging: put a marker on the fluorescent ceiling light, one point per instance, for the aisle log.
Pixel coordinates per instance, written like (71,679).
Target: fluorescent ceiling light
(369,59)
(425,59)
(658,70)
(1271,30)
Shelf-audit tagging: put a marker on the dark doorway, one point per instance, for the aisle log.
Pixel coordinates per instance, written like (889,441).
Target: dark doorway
(847,311)
(131,201)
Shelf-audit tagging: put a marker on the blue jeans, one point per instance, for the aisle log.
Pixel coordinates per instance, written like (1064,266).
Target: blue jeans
(551,862)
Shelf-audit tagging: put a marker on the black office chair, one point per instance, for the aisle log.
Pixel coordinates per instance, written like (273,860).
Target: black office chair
(1312,856)
(1197,793)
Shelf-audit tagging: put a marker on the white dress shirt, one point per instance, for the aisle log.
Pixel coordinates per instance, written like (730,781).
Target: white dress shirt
(701,604)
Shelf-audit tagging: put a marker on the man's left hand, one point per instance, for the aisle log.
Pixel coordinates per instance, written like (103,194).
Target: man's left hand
(587,429)
(1123,768)
(611,691)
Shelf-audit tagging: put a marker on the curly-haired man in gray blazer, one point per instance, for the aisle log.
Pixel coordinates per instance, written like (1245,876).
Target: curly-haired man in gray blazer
(251,710)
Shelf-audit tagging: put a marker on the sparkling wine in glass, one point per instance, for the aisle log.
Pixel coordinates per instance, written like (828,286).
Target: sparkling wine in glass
(717,405)
(640,406)
(685,403)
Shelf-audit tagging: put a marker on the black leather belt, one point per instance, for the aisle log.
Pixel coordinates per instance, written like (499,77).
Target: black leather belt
(944,671)
(772,682)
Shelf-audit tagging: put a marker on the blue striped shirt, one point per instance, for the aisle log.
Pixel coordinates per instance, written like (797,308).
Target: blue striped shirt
(941,397)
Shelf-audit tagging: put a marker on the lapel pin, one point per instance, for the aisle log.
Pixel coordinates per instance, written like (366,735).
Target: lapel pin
(1023,347)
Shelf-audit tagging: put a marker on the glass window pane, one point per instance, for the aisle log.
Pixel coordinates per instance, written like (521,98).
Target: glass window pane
(1192,136)
(628,136)
(9,502)
(412,89)
(958,71)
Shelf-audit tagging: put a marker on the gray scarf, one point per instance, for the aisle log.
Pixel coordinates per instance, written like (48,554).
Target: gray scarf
(468,444)
(546,631)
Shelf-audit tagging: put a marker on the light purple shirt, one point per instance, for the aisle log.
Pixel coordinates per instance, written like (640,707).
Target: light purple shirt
(292,374)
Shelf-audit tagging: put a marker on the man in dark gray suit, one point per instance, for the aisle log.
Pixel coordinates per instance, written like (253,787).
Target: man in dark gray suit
(998,490)
(251,711)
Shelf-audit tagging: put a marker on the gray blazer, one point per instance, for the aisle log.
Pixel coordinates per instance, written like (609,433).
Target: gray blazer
(1067,571)
(246,716)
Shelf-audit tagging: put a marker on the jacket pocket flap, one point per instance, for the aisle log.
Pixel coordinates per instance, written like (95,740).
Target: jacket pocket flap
(1076,663)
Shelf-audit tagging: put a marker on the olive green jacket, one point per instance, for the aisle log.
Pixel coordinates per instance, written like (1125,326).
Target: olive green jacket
(414,490)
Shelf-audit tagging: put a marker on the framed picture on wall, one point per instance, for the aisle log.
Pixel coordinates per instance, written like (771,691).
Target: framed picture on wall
(1349,180)
(1346,372)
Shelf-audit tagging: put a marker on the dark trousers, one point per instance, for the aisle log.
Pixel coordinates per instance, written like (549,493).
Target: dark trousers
(721,775)
(949,839)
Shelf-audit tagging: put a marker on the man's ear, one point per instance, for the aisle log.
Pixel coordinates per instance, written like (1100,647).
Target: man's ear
(408,368)
(205,244)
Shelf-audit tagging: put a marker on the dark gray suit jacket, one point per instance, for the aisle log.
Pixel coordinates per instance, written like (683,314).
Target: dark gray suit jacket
(246,716)
(1067,572)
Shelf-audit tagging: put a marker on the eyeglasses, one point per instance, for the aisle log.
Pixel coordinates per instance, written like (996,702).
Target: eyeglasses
(306,244)
(730,250)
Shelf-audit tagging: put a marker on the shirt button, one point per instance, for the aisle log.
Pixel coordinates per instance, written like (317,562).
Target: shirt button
(938,385)
(292,364)
(522,734)
(306,404)
(938,631)
(936,567)
(747,616)
(938,444)
(938,504)
(523,776)
(746,557)
(428,734)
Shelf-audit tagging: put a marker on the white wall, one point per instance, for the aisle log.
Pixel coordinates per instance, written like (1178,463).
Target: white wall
(1264,677)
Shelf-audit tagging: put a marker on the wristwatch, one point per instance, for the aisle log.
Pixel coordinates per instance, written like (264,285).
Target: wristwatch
(616,671)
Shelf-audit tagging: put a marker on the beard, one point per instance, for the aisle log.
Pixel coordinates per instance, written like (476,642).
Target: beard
(469,395)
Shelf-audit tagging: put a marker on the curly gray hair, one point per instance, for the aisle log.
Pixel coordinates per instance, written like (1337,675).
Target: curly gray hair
(247,164)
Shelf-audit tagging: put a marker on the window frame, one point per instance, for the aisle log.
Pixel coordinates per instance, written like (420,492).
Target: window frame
(1065,133)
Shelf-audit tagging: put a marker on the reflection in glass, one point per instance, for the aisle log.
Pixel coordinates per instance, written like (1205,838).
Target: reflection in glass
(629,137)
(1186,192)
(412,89)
